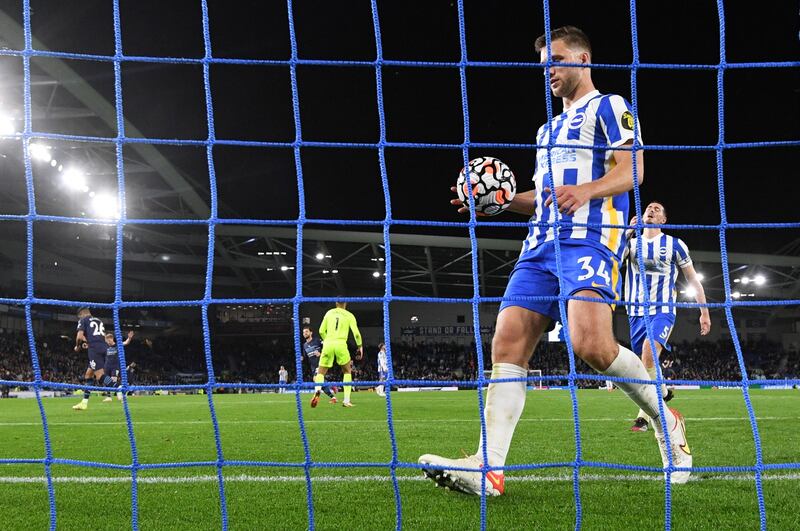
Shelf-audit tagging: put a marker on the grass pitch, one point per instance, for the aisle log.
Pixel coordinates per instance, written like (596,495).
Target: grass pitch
(174,429)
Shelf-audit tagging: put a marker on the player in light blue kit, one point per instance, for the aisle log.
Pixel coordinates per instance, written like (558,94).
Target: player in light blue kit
(591,186)
(662,256)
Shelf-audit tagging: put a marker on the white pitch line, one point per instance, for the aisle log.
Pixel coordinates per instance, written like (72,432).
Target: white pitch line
(247,478)
(224,422)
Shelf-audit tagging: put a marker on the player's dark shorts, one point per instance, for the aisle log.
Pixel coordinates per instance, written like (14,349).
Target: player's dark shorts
(313,362)
(661,326)
(97,359)
(112,366)
(584,267)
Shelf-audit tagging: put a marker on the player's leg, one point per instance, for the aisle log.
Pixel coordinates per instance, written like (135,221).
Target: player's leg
(519,326)
(517,332)
(314,363)
(590,327)
(647,360)
(661,325)
(88,379)
(325,363)
(343,359)
(593,341)
(117,380)
(108,378)
(381,389)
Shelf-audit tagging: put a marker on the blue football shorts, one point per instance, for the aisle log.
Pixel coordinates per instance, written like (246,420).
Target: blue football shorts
(583,266)
(661,324)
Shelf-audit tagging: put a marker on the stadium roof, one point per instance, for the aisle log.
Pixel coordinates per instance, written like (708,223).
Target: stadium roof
(168,182)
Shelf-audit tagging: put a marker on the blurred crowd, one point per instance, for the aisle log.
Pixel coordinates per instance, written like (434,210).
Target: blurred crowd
(253,359)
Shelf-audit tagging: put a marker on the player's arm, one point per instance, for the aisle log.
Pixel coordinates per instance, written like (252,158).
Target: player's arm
(128,341)
(80,337)
(523,203)
(617,181)
(691,277)
(629,232)
(357,337)
(323,328)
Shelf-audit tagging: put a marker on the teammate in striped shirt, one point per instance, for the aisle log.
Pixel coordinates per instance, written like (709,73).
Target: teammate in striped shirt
(383,368)
(591,186)
(334,331)
(662,256)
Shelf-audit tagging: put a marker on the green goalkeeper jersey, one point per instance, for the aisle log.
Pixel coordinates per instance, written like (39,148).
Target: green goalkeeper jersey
(336,327)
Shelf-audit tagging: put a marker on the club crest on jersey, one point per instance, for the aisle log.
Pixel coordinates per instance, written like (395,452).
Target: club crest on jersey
(662,251)
(627,120)
(577,121)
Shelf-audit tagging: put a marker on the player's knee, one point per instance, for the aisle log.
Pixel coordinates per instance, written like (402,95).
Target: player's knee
(509,346)
(514,340)
(596,349)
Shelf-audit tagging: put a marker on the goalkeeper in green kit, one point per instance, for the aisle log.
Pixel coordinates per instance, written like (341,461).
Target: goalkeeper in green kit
(334,331)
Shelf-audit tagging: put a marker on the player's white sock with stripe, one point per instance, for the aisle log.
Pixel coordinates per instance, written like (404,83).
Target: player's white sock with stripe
(651,371)
(504,404)
(628,365)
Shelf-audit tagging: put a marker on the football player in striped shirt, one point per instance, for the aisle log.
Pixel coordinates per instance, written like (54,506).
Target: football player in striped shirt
(662,256)
(590,186)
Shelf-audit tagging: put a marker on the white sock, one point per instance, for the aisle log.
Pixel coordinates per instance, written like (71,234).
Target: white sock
(380,389)
(627,365)
(652,372)
(504,404)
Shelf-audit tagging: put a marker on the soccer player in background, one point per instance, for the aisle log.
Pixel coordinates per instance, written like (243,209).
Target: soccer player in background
(283,379)
(111,376)
(662,255)
(130,370)
(383,368)
(312,347)
(334,331)
(92,332)
(591,186)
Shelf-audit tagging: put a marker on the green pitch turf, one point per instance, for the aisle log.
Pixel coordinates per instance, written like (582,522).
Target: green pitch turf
(264,428)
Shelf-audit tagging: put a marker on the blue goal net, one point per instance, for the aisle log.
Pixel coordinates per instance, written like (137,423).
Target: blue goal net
(378,65)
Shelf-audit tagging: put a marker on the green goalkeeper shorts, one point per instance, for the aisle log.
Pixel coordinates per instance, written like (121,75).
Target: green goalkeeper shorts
(334,352)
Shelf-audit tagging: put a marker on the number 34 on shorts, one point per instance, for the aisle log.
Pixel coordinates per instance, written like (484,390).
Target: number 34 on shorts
(598,273)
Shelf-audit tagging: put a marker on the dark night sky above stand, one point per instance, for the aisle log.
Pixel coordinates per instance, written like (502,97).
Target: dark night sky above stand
(424,104)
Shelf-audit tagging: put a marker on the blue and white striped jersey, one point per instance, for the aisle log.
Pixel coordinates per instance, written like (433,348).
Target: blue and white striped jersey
(662,256)
(595,119)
